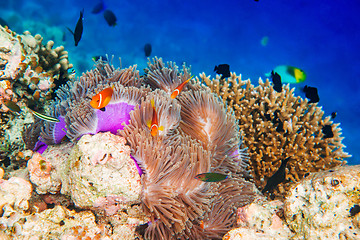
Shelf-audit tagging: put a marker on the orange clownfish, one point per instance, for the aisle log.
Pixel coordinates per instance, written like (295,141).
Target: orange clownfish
(153,124)
(100,100)
(179,88)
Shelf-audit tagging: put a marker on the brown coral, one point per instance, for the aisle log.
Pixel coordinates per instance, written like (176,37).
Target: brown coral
(279,125)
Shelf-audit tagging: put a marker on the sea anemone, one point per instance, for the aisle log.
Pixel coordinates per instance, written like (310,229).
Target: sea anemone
(199,136)
(196,135)
(76,115)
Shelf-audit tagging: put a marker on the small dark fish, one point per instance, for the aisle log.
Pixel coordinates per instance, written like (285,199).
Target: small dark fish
(147,49)
(276,79)
(3,23)
(327,131)
(98,8)
(110,18)
(12,106)
(96,58)
(267,116)
(333,115)
(78,29)
(280,127)
(277,178)
(354,210)
(223,69)
(211,177)
(311,93)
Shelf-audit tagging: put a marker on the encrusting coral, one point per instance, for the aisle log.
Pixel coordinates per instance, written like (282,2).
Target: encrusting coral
(197,135)
(278,125)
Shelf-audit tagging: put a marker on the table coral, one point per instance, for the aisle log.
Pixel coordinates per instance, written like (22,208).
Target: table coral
(321,206)
(276,126)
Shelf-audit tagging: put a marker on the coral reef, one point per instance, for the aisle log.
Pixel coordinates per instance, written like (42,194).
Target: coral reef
(189,143)
(276,126)
(30,69)
(325,205)
(29,74)
(56,223)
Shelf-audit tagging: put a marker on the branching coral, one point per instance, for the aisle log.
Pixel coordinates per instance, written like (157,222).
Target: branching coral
(30,69)
(279,125)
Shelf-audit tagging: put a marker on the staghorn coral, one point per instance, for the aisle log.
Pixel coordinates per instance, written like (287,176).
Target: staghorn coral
(279,125)
(177,204)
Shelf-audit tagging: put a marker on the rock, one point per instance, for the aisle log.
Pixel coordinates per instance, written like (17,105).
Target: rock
(15,193)
(97,173)
(260,220)
(325,205)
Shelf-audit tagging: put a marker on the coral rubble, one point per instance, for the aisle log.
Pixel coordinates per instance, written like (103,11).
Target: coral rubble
(276,126)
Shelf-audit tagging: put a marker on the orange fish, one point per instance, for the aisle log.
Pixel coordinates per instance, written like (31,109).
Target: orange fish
(179,88)
(100,100)
(153,124)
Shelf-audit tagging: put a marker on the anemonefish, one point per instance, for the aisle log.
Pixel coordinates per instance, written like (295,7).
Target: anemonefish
(153,124)
(179,88)
(100,100)
(290,74)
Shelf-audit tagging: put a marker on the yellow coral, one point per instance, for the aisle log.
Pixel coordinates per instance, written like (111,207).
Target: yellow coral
(279,125)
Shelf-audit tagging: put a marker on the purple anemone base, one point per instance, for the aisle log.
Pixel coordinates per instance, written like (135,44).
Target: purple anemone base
(110,120)
(113,117)
(59,130)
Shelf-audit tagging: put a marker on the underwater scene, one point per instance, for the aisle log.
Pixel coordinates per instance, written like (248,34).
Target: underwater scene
(179,119)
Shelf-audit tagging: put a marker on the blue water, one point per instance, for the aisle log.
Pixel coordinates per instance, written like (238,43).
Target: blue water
(321,37)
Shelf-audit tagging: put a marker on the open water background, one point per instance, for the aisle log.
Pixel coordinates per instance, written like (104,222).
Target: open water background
(319,36)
